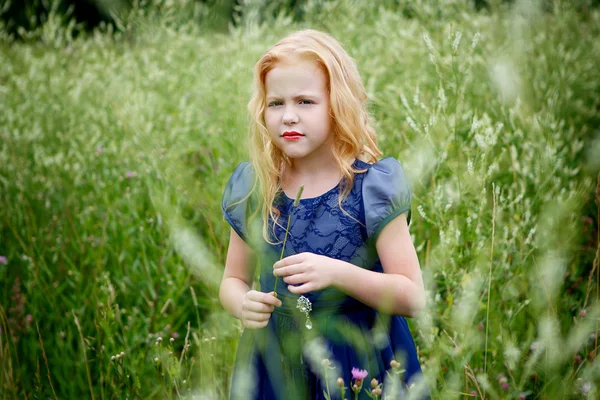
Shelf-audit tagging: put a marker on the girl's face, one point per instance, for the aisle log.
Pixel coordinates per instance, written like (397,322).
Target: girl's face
(297,109)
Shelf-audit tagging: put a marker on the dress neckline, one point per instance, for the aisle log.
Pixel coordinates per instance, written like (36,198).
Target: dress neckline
(309,200)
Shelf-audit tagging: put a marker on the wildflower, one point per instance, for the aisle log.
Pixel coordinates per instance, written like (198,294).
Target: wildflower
(172,340)
(394,364)
(340,382)
(326,362)
(522,396)
(505,386)
(156,359)
(501,378)
(122,354)
(582,313)
(376,392)
(112,358)
(374,383)
(359,375)
(129,174)
(577,359)
(3,260)
(100,149)
(456,41)
(586,388)
(159,339)
(475,40)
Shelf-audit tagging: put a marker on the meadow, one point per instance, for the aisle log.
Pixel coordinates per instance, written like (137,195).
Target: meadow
(115,148)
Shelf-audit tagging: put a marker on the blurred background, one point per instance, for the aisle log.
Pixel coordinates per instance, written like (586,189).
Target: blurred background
(121,121)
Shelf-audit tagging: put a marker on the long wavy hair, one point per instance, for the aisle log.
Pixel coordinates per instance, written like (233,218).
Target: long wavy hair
(352,127)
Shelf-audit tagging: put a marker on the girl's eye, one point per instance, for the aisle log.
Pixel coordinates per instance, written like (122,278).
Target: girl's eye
(306,102)
(274,103)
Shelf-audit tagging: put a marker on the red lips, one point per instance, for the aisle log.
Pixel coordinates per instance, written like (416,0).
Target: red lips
(292,135)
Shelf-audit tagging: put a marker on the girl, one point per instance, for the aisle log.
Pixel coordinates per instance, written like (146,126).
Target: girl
(349,271)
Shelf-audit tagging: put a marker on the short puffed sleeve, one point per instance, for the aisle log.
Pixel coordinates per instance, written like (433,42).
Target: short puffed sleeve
(386,194)
(236,202)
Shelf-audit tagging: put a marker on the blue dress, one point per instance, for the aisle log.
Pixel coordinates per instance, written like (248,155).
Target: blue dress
(284,360)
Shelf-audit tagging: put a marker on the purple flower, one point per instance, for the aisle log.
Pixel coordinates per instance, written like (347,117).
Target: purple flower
(359,374)
(505,386)
(100,149)
(3,260)
(129,174)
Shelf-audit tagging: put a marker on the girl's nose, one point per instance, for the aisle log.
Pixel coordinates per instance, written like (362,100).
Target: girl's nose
(289,116)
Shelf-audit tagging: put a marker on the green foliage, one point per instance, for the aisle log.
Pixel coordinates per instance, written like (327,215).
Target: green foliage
(115,148)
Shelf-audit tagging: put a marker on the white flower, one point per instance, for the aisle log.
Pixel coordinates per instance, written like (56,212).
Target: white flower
(456,42)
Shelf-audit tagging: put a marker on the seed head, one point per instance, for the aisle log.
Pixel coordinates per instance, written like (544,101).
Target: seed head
(297,201)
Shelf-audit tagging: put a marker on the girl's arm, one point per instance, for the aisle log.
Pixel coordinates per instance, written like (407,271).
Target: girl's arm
(237,276)
(399,290)
(254,308)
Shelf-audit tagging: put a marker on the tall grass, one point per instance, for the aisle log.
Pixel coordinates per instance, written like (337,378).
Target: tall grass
(115,148)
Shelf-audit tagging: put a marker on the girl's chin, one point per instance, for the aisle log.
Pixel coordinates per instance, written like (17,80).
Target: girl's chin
(294,151)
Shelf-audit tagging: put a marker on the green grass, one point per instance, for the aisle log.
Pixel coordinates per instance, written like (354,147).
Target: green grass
(115,149)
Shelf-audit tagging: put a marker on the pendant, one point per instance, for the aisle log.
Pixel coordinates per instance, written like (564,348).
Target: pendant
(305,307)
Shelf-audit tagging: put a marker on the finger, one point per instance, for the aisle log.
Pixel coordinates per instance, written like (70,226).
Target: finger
(290,260)
(256,316)
(296,279)
(255,325)
(258,307)
(289,270)
(269,298)
(307,287)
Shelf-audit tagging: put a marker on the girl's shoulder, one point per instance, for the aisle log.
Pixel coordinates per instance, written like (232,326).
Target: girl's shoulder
(236,203)
(388,165)
(386,193)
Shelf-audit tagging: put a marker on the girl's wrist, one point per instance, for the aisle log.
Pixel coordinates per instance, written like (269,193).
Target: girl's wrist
(338,268)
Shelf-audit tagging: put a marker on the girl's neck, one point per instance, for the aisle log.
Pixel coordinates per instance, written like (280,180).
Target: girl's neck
(310,167)
(317,176)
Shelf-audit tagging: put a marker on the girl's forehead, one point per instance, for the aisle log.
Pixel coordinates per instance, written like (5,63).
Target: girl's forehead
(297,74)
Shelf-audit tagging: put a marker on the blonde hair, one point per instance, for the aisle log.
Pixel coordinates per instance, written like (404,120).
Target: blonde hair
(352,127)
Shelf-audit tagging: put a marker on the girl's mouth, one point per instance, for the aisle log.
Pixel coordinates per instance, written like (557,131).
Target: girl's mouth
(293,135)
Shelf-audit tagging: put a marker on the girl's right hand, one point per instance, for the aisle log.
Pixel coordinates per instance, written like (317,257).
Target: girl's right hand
(257,308)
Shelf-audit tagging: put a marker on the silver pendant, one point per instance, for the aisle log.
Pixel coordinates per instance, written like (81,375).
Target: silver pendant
(305,307)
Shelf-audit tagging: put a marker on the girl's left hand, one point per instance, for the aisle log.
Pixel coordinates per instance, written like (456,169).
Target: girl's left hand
(311,271)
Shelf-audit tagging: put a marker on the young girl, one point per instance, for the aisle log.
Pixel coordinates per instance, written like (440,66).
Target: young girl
(349,272)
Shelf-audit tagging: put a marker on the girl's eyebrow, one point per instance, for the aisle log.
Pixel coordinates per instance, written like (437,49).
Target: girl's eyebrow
(298,97)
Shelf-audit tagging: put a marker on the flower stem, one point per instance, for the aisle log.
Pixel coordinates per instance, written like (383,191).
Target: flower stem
(287,230)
